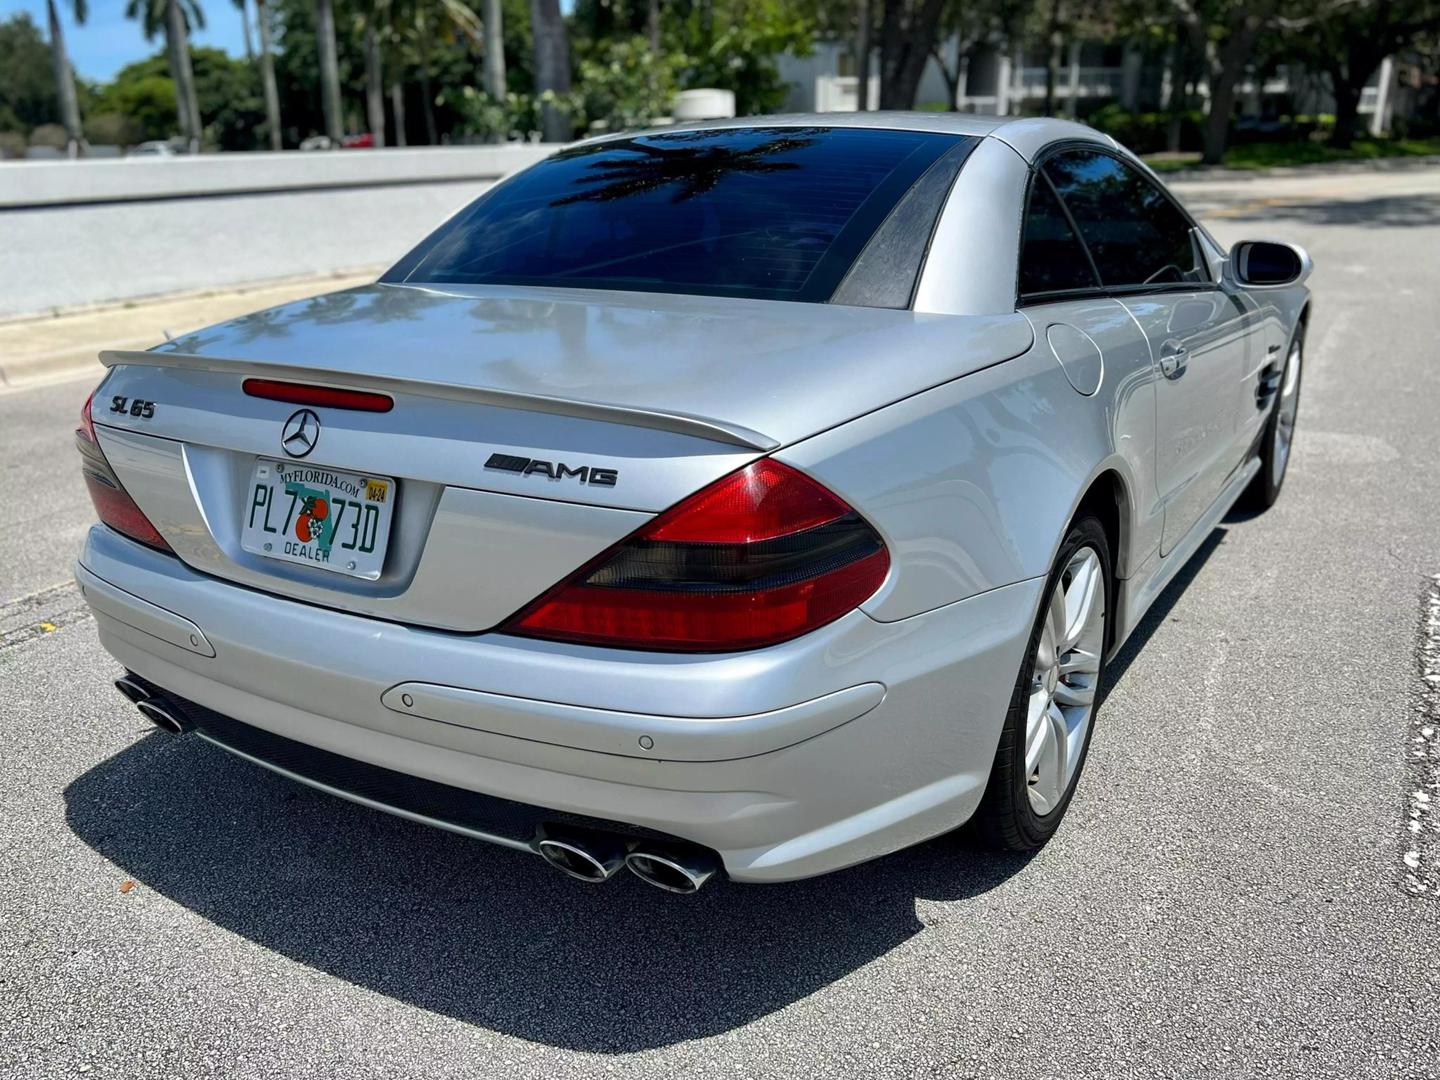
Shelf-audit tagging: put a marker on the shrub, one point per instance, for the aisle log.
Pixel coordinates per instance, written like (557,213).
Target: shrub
(52,135)
(12,144)
(624,85)
(1147,132)
(108,128)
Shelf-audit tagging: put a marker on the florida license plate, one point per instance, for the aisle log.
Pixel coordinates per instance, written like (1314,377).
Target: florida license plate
(317,516)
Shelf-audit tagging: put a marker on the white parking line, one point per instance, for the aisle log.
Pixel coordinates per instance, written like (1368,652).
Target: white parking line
(1422,798)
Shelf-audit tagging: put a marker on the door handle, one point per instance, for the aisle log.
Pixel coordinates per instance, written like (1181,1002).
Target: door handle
(1173,358)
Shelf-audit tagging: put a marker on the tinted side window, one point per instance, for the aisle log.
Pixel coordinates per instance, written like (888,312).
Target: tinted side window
(1134,233)
(1051,256)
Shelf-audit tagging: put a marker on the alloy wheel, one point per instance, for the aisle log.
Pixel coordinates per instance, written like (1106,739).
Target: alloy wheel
(1287,410)
(1064,680)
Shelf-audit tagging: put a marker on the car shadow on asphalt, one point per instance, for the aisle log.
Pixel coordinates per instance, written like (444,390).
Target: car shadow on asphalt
(1160,610)
(487,935)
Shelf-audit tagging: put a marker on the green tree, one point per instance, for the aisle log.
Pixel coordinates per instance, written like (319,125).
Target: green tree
(28,91)
(1224,34)
(145,93)
(1348,42)
(227,90)
(732,44)
(624,84)
(174,18)
(267,76)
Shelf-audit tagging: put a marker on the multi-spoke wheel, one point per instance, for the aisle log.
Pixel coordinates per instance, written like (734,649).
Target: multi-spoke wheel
(1047,729)
(1279,432)
(1063,680)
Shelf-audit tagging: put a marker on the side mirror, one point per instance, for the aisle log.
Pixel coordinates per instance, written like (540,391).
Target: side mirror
(1267,264)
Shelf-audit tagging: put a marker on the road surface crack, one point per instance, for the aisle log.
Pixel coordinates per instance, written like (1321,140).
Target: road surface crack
(39,613)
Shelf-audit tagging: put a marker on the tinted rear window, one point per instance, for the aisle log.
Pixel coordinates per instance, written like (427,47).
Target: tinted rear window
(775,213)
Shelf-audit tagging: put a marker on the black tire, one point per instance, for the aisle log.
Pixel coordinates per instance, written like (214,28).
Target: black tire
(1264,490)
(1005,820)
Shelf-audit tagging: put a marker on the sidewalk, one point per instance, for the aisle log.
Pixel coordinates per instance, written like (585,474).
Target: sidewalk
(51,348)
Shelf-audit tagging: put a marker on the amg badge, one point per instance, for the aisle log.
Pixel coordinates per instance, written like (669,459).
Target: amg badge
(553,469)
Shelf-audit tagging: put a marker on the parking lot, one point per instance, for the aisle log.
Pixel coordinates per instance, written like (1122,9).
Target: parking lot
(1237,891)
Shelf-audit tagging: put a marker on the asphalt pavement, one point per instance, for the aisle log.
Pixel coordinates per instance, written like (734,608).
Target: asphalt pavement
(1237,892)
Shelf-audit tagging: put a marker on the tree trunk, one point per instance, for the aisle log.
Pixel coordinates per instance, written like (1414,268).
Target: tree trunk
(862,57)
(267,76)
(1347,108)
(397,110)
(1052,58)
(329,69)
(652,25)
(1225,74)
(951,77)
(374,88)
(245,25)
(905,45)
(1176,101)
(552,67)
(65,85)
(427,95)
(1347,81)
(494,51)
(185,102)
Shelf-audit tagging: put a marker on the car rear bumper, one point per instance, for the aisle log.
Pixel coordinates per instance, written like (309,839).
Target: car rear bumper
(853,741)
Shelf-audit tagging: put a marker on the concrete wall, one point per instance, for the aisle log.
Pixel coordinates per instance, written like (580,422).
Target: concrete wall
(76,233)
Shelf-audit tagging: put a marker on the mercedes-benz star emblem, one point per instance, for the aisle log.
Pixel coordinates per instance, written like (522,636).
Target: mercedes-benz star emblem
(301,433)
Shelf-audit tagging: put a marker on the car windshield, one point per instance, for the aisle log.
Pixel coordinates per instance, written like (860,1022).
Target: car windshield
(774,213)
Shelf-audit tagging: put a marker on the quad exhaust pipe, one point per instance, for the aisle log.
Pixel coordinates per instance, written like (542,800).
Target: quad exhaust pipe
(152,706)
(675,870)
(597,856)
(584,854)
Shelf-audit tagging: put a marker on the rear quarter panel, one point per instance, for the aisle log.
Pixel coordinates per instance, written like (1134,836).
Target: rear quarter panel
(973,483)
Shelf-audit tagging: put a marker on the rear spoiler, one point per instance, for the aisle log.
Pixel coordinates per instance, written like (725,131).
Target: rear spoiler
(679,423)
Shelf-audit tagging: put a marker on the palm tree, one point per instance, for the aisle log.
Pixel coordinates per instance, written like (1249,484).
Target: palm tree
(374,83)
(409,26)
(494,51)
(552,66)
(329,68)
(242,7)
(65,75)
(267,75)
(174,18)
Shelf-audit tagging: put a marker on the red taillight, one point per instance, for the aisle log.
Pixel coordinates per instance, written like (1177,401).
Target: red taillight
(308,394)
(112,501)
(759,557)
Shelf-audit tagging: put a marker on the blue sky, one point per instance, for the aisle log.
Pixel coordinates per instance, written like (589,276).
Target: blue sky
(108,41)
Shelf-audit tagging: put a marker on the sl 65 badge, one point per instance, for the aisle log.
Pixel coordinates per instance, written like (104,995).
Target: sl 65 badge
(123,405)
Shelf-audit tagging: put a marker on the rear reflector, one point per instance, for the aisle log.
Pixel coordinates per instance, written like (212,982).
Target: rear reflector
(327,396)
(759,557)
(112,502)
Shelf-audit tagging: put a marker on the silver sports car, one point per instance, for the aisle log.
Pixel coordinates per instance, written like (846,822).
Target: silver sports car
(751,499)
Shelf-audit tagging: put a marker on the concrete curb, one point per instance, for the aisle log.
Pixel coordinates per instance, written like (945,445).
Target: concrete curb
(1319,168)
(58,346)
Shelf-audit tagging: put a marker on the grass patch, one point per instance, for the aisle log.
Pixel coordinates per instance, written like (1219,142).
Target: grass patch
(1282,155)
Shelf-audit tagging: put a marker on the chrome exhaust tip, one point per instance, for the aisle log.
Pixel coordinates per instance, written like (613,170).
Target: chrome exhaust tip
(674,871)
(160,714)
(587,857)
(131,689)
